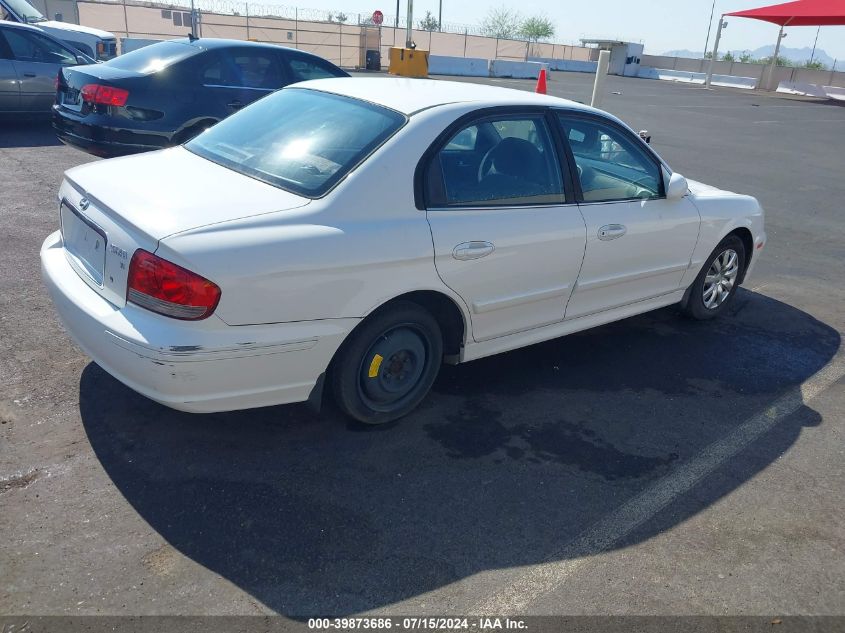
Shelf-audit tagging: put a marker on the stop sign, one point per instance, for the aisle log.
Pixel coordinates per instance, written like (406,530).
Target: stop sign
(378,17)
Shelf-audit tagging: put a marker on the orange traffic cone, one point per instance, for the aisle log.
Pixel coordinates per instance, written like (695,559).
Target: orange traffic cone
(541,82)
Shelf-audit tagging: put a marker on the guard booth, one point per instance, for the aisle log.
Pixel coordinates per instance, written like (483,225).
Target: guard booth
(370,54)
(624,56)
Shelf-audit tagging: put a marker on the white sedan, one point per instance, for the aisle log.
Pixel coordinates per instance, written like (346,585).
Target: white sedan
(359,232)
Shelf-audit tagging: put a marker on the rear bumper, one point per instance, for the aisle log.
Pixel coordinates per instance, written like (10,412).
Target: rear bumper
(200,367)
(102,138)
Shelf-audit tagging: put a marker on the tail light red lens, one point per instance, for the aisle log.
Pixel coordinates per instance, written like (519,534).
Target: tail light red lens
(106,95)
(163,287)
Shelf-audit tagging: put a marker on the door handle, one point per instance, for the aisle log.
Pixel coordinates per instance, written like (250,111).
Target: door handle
(29,74)
(612,231)
(472,250)
(235,105)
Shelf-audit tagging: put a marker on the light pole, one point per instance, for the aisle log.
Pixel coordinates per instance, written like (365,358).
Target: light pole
(774,64)
(813,54)
(722,24)
(440,18)
(409,25)
(709,26)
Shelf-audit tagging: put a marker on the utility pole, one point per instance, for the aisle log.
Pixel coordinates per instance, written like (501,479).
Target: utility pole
(709,26)
(440,19)
(774,65)
(410,25)
(722,24)
(396,24)
(813,54)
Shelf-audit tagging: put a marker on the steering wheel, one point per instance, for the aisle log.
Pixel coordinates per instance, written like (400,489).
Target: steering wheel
(637,190)
(483,167)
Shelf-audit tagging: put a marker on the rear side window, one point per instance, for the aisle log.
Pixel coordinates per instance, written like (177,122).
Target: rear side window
(303,141)
(33,47)
(154,57)
(305,69)
(500,161)
(243,69)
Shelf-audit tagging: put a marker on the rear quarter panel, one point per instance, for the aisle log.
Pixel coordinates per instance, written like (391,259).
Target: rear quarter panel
(342,256)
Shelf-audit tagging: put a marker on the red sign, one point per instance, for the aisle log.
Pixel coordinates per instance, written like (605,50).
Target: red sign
(378,18)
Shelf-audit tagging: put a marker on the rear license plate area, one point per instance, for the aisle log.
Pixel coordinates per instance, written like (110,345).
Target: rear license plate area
(84,242)
(71,99)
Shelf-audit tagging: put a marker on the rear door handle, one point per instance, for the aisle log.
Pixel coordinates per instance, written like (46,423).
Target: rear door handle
(29,74)
(472,250)
(612,231)
(235,105)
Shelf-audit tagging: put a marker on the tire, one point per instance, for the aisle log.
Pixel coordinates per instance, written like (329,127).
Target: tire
(713,290)
(387,366)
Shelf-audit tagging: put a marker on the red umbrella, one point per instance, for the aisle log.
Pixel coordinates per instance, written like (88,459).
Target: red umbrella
(798,13)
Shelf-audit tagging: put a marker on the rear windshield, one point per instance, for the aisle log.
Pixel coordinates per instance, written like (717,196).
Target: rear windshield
(154,57)
(297,139)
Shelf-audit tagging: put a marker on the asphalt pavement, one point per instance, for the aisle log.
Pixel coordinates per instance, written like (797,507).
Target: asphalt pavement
(652,466)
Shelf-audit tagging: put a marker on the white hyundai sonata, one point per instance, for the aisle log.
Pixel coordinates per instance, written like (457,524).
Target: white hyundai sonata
(359,232)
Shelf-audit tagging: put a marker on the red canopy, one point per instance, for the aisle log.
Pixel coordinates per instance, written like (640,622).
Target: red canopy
(799,13)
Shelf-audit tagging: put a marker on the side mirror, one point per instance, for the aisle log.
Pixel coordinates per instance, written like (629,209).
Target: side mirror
(677,187)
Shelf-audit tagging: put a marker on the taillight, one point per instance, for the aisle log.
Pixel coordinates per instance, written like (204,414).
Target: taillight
(107,95)
(161,286)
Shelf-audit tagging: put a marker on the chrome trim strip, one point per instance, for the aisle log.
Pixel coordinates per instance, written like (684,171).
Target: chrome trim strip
(480,307)
(621,279)
(240,87)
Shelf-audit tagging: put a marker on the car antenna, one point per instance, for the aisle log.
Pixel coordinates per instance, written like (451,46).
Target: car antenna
(192,37)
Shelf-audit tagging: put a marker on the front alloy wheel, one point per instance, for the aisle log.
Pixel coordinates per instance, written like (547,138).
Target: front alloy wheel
(716,284)
(720,279)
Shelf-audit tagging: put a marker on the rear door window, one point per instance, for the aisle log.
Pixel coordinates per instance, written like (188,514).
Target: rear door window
(33,47)
(245,68)
(500,161)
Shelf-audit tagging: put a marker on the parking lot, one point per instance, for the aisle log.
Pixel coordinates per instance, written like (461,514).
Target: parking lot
(653,466)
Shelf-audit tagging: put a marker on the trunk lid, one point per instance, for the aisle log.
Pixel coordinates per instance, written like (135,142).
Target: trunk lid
(113,207)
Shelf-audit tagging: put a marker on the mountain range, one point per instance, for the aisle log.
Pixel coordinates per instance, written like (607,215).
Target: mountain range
(797,55)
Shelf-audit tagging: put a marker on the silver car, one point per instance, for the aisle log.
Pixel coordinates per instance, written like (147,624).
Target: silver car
(30,60)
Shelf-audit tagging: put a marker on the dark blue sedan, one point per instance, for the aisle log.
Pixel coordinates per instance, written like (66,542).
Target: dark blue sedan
(166,93)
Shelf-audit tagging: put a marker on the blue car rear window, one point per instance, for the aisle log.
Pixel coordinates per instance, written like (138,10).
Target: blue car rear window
(154,57)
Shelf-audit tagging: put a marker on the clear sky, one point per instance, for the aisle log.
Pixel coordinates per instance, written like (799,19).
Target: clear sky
(660,24)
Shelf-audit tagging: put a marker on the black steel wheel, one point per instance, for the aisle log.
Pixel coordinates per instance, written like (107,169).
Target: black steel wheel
(388,364)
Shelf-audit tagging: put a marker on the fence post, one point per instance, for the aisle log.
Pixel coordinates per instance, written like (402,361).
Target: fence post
(296,27)
(125,20)
(246,4)
(832,70)
(496,54)
(466,33)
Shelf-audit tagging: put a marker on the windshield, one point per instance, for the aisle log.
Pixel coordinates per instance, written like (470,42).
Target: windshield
(154,57)
(25,11)
(300,140)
